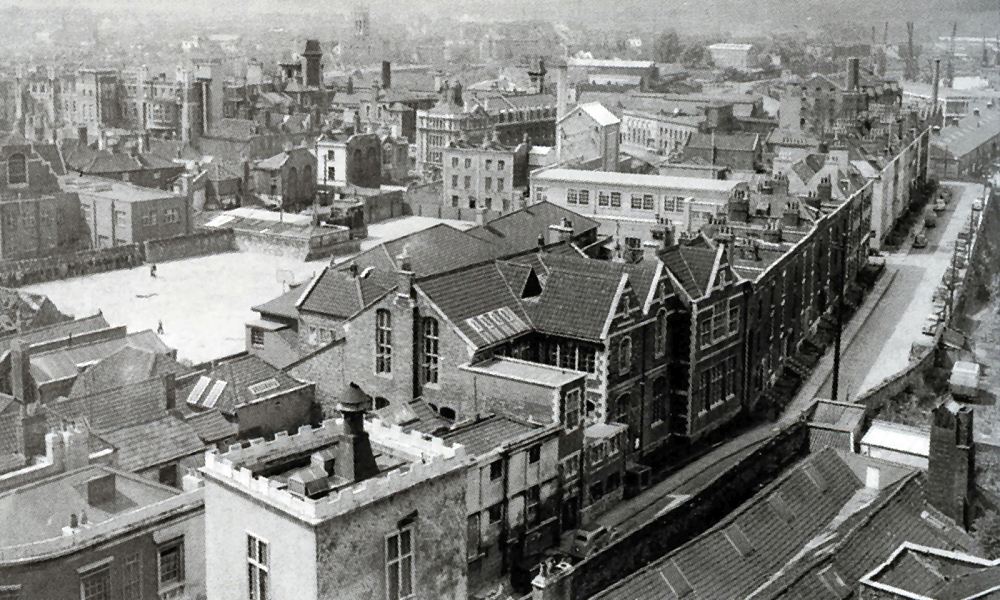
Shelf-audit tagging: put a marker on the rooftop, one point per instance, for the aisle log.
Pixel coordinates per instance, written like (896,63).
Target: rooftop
(490,433)
(896,436)
(610,63)
(633,179)
(522,370)
(65,363)
(119,191)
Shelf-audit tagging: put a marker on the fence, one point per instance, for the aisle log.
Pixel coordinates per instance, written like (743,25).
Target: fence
(199,243)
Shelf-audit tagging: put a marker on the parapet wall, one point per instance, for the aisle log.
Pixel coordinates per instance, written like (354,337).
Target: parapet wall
(430,458)
(15,273)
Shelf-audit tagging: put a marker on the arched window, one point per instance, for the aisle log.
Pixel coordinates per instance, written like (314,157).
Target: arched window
(625,355)
(660,336)
(660,404)
(621,408)
(383,341)
(430,345)
(17,171)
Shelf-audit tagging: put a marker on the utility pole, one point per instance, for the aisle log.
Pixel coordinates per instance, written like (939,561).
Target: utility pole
(839,309)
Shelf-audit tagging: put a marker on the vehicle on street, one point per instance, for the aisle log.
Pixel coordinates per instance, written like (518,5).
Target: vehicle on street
(589,539)
(920,240)
(930,220)
(940,205)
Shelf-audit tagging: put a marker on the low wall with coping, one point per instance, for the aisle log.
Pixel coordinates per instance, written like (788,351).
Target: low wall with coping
(198,243)
(16,273)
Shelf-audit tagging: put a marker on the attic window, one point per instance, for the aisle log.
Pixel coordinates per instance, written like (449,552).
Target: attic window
(263,387)
(739,540)
(532,286)
(672,575)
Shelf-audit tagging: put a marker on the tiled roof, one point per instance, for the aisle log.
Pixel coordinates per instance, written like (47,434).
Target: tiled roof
(50,154)
(414,415)
(154,443)
(338,293)
(518,231)
(64,363)
(211,426)
(838,415)
(112,409)
(56,331)
(488,433)
(233,380)
(744,142)
(692,267)
(10,426)
(283,305)
(128,365)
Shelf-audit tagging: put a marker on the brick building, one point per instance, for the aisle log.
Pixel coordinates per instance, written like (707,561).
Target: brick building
(77,528)
(738,151)
(489,175)
(286,179)
(588,135)
(117,213)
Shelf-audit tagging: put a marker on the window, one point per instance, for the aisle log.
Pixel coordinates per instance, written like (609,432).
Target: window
(496,470)
(454,201)
(149,219)
(468,182)
(121,217)
(669,204)
(500,165)
(567,356)
(588,360)
(454,181)
(571,410)
(584,196)
(602,198)
(705,329)
(616,199)
(331,172)
(660,339)
(719,325)
(571,196)
(647,202)
(625,355)
(167,475)
(499,184)
(330,154)
(258,568)
(659,399)
(131,578)
(256,337)
(430,366)
(534,454)
(171,215)
(454,161)
(532,498)
(489,164)
(171,564)
(495,513)
(399,567)
(17,172)
(383,341)
(734,317)
(489,184)
(636,201)
(468,163)
(96,585)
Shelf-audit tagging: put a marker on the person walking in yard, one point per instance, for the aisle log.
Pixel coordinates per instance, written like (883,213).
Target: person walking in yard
(152,270)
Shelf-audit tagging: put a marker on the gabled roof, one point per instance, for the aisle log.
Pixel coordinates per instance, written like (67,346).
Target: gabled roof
(928,572)
(54,332)
(111,409)
(243,380)
(338,293)
(272,163)
(518,231)
(211,426)
(692,267)
(284,305)
(128,365)
(65,363)
(154,443)
(601,115)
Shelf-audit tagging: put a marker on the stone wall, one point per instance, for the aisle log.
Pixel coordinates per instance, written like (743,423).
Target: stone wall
(692,517)
(199,243)
(16,273)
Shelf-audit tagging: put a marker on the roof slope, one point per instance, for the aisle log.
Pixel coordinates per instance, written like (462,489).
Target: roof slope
(692,267)
(154,442)
(519,231)
(234,379)
(128,365)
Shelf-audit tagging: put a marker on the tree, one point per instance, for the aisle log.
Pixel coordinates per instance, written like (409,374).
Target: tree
(667,47)
(695,55)
(986,530)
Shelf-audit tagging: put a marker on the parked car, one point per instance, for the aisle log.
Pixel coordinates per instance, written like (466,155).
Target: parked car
(589,539)
(940,205)
(977,204)
(930,220)
(920,241)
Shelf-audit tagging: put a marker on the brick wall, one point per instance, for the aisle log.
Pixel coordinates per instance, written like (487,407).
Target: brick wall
(199,243)
(25,272)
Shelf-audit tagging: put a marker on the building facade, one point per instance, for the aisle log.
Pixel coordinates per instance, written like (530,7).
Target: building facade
(117,213)
(489,175)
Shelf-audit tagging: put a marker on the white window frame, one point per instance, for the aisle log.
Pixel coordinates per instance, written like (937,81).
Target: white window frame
(660,335)
(258,588)
(383,342)
(571,410)
(395,540)
(102,570)
(132,577)
(431,350)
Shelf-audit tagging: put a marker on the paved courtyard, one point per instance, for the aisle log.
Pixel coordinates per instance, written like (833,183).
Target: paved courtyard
(202,302)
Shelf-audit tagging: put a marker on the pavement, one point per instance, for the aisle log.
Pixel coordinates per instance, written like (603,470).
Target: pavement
(203,302)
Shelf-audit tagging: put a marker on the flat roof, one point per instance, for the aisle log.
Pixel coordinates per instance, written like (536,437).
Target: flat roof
(635,179)
(38,511)
(896,436)
(522,370)
(120,191)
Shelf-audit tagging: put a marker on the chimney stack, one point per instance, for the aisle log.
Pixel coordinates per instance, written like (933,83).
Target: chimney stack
(824,191)
(20,372)
(936,86)
(386,74)
(480,215)
(170,391)
(951,467)
(101,489)
(405,275)
(853,74)
(81,135)
(562,232)
(355,462)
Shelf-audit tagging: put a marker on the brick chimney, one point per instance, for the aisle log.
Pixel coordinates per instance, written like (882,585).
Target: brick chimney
(951,467)
(405,275)
(790,216)
(355,462)
(739,207)
(386,74)
(81,135)
(824,191)
(562,232)
(170,391)
(21,384)
(480,215)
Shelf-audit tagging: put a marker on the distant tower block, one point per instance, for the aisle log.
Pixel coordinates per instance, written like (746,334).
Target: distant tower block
(361,22)
(313,58)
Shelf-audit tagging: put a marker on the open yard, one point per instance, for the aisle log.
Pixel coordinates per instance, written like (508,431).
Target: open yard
(202,302)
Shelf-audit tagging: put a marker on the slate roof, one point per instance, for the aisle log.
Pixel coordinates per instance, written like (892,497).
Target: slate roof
(935,573)
(154,442)
(518,231)
(414,415)
(63,363)
(282,306)
(111,409)
(237,375)
(339,294)
(743,142)
(128,365)
(55,331)
(692,267)
(272,163)
(211,426)
(10,426)
(50,154)
(838,415)
(489,433)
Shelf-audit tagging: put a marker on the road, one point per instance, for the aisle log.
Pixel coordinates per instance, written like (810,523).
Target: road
(882,346)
